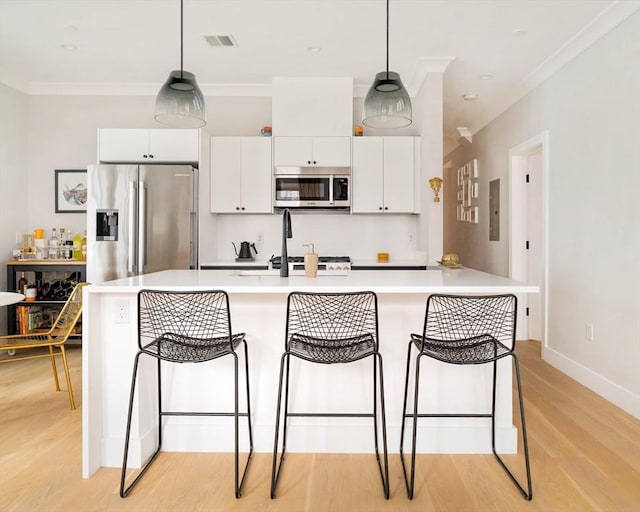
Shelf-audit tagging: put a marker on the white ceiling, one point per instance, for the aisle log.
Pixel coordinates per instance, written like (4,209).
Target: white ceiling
(129,46)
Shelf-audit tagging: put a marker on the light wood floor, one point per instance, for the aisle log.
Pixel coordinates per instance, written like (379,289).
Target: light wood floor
(585,457)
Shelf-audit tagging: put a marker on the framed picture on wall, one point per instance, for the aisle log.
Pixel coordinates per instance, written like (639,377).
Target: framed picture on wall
(71,190)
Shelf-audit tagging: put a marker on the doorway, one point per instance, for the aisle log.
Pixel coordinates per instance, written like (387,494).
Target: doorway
(528,174)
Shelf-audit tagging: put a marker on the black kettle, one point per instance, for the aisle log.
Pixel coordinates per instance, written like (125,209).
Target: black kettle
(245,250)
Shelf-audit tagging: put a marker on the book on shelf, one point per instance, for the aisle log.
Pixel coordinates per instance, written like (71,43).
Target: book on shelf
(34,318)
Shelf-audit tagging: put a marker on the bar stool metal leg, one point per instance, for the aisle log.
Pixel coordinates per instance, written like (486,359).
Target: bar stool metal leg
(124,492)
(249,425)
(277,466)
(528,494)
(409,479)
(384,468)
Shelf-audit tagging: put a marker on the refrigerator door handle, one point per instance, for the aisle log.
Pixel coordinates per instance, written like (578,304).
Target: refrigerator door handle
(142,227)
(133,200)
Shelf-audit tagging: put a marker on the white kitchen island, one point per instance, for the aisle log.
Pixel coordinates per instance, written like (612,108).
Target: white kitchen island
(258,307)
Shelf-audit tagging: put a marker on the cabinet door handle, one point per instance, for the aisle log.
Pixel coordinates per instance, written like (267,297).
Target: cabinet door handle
(380,208)
(309,161)
(150,156)
(242,208)
(314,162)
(386,208)
(237,208)
(145,156)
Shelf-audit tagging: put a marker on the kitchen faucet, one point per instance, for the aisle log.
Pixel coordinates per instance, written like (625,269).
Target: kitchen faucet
(286,233)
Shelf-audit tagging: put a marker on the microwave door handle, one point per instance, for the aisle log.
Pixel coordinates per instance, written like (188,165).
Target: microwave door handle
(332,184)
(133,203)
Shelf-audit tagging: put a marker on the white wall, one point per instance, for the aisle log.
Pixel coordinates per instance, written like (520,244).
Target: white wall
(14,190)
(591,111)
(427,111)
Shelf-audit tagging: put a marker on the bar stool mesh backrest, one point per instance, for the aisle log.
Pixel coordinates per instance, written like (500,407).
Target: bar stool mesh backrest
(332,328)
(468,330)
(185,327)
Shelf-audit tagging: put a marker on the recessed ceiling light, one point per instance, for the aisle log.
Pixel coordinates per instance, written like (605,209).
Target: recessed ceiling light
(314,49)
(519,32)
(486,77)
(470,96)
(68,47)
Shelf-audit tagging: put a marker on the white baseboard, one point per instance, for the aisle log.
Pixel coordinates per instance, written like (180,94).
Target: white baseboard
(319,438)
(614,393)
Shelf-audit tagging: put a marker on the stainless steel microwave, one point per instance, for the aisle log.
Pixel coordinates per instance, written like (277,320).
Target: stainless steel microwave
(312,187)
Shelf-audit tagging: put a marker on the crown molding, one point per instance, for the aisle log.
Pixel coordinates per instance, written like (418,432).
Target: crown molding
(422,67)
(144,89)
(606,21)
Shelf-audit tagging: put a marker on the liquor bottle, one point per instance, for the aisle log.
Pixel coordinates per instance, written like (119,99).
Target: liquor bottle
(84,245)
(54,245)
(22,284)
(77,246)
(68,249)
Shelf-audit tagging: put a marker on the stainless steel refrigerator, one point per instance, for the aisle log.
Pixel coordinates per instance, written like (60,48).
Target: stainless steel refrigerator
(140,219)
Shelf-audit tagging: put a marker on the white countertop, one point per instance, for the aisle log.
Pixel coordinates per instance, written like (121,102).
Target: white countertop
(256,282)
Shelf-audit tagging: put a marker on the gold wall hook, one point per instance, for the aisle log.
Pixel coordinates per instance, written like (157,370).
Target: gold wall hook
(435,184)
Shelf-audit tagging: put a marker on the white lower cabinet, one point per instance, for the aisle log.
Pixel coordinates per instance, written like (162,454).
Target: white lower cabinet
(240,175)
(148,145)
(384,173)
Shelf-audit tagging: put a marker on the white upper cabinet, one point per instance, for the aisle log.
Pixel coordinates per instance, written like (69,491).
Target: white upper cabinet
(240,175)
(148,145)
(367,175)
(384,174)
(312,151)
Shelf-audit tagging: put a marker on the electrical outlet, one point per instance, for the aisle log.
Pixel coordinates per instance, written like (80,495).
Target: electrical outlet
(260,238)
(122,312)
(588,332)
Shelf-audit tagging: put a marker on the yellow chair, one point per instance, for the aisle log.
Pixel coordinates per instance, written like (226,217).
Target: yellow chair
(54,337)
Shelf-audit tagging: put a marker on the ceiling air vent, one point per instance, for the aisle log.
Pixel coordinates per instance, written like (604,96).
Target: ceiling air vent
(223,40)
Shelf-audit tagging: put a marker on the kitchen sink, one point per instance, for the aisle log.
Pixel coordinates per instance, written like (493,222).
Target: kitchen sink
(276,273)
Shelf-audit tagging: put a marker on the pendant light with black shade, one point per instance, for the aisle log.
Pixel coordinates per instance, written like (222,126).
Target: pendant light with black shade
(387,104)
(180,103)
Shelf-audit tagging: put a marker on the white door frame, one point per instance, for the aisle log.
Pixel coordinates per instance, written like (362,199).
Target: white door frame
(518,218)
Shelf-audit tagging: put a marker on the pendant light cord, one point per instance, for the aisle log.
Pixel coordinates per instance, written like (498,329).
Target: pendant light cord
(182,41)
(387,39)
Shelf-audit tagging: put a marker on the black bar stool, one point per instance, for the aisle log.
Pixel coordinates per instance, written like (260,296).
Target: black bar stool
(331,328)
(465,330)
(187,327)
